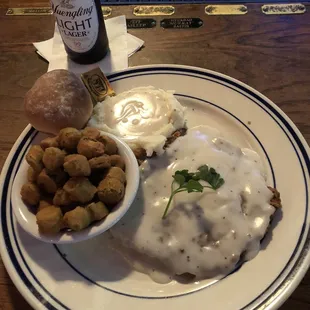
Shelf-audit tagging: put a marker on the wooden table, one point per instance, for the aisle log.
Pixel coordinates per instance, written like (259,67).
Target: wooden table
(270,53)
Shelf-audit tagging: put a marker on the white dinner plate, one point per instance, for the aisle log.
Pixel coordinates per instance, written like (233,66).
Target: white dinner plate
(88,276)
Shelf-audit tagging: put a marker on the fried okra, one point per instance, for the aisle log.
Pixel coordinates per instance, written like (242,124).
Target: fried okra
(117,161)
(53,158)
(110,146)
(63,177)
(90,148)
(100,163)
(34,157)
(111,191)
(77,165)
(46,182)
(49,142)
(30,193)
(77,219)
(50,219)
(92,133)
(69,138)
(61,198)
(59,176)
(116,173)
(32,174)
(44,203)
(97,210)
(80,189)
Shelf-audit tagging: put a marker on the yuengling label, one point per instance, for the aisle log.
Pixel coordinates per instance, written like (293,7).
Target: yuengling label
(78,23)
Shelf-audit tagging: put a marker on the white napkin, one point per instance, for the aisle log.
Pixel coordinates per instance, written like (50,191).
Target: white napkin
(133,44)
(122,45)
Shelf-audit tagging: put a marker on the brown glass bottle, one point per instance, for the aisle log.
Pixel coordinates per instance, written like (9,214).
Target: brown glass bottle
(82,28)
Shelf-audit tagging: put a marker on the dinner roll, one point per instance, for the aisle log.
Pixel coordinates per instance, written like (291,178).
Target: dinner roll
(58,99)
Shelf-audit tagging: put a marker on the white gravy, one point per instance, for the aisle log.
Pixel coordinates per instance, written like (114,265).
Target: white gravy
(204,234)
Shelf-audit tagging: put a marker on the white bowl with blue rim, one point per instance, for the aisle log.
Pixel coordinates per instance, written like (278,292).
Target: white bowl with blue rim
(27,219)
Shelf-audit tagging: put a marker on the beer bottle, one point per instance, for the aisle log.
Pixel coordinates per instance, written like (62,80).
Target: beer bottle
(82,29)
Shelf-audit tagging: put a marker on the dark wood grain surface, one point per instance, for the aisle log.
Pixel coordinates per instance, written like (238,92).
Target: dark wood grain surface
(270,53)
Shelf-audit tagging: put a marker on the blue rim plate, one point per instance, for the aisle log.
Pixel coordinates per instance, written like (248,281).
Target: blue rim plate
(72,277)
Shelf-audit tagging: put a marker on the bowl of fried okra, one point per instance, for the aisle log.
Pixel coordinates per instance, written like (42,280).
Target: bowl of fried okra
(75,185)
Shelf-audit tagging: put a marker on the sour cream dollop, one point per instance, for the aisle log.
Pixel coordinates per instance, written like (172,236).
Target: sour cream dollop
(143,117)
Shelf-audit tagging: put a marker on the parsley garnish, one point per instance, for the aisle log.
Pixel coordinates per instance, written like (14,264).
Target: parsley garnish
(189,182)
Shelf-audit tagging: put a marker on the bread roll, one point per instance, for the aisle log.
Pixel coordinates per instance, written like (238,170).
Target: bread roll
(58,99)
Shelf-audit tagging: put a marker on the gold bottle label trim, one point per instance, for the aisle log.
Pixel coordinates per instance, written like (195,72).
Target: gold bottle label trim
(223,9)
(30,11)
(283,9)
(153,10)
(106,11)
(97,84)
